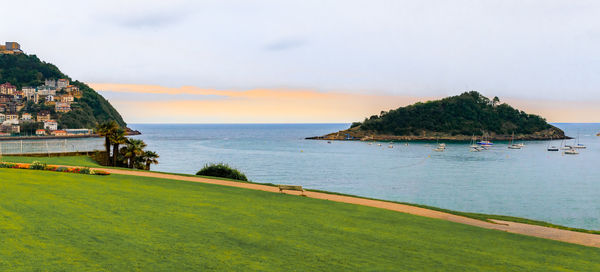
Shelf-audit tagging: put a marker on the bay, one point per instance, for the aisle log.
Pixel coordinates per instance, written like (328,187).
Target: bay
(530,182)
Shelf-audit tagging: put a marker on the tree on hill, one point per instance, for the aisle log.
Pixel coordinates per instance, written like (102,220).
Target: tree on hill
(465,114)
(28,70)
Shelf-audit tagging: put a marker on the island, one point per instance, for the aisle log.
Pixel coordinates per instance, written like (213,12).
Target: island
(464,117)
(38,100)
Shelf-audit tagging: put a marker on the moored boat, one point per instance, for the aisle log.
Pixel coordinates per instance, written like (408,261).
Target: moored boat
(571,151)
(577,144)
(512,145)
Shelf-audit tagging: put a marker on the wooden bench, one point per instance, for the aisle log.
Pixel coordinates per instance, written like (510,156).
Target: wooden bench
(291,188)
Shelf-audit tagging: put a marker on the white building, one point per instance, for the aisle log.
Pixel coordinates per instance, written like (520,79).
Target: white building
(50,83)
(62,83)
(44,90)
(26,117)
(67,98)
(78,131)
(50,98)
(50,125)
(12,116)
(62,107)
(28,92)
(10,122)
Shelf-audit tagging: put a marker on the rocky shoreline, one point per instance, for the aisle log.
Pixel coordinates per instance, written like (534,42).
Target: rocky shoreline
(356,134)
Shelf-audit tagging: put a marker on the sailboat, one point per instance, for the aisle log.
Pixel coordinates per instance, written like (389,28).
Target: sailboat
(474,147)
(577,144)
(564,146)
(512,145)
(551,148)
(440,147)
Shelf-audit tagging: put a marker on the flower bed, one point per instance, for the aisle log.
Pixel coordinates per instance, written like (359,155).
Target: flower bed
(42,166)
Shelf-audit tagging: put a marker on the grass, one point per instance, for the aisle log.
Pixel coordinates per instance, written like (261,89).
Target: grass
(478,216)
(121,223)
(88,162)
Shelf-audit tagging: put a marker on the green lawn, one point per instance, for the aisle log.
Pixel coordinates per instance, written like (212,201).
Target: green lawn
(87,161)
(62,221)
(60,160)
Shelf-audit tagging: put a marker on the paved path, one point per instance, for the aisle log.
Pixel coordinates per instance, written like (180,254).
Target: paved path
(574,237)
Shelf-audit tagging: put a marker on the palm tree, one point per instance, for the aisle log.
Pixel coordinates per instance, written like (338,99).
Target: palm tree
(133,150)
(117,137)
(105,129)
(149,157)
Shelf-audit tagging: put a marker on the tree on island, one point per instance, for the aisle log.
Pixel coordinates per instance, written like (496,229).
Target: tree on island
(469,113)
(495,101)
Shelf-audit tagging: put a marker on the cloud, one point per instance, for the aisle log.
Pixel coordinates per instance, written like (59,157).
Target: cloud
(285,44)
(508,48)
(152,20)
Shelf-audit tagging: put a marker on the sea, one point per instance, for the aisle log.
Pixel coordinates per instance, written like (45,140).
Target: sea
(530,182)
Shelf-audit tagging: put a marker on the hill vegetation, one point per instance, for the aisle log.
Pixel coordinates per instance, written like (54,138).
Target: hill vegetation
(28,70)
(459,117)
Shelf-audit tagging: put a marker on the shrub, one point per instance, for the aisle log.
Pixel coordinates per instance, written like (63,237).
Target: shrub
(85,170)
(7,165)
(100,173)
(62,169)
(36,165)
(221,170)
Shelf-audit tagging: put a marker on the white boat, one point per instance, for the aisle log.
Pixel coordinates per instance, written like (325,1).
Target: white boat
(551,148)
(378,144)
(440,148)
(390,146)
(328,142)
(571,151)
(512,145)
(475,147)
(577,144)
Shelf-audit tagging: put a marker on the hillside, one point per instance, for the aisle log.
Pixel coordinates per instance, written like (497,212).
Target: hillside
(453,118)
(28,71)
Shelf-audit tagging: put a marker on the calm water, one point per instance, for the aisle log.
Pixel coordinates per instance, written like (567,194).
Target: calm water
(530,182)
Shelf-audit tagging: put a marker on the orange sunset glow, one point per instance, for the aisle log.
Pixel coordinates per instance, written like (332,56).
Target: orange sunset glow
(291,105)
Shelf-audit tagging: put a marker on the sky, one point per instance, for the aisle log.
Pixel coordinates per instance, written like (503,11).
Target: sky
(263,61)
